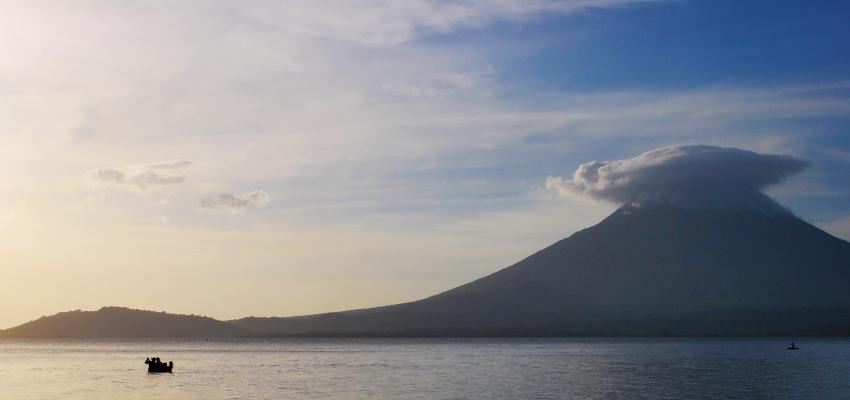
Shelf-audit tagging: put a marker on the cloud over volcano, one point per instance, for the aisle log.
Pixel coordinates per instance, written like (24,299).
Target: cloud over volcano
(692,175)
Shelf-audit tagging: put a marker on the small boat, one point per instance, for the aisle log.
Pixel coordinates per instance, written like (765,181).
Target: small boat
(154,366)
(792,346)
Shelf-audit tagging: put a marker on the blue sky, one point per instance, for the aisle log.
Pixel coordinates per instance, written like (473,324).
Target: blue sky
(680,45)
(262,155)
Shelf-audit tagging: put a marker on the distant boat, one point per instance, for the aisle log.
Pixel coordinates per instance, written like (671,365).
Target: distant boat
(158,367)
(792,346)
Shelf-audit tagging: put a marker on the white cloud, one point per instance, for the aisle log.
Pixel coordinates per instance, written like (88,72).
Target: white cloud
(142,178)
(230,203)
(693,175)
(382,23)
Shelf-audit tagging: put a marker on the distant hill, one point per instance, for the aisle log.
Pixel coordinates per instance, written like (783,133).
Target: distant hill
(120,322)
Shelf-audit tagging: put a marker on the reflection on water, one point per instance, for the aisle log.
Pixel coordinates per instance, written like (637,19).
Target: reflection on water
(428,369)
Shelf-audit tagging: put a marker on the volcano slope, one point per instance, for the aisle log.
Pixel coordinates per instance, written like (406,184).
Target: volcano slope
(641,271)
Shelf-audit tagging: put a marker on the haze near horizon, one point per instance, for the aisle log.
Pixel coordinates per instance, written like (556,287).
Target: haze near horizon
(235,159)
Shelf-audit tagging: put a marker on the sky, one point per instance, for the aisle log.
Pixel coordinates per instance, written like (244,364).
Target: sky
(280,158)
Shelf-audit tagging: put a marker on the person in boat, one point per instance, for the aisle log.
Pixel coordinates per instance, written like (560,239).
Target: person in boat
(156,365)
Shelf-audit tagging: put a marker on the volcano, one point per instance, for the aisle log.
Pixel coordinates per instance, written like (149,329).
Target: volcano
(652,270)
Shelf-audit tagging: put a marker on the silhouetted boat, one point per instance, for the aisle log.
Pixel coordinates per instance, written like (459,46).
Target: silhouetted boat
(792,347)
(154,366)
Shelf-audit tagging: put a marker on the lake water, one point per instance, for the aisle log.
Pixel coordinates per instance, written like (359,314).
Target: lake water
(428,369)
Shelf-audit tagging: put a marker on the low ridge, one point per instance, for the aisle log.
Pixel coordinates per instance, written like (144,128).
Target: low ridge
(120,322)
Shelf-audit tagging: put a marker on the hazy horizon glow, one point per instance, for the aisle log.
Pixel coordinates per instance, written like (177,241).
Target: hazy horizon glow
(259,158)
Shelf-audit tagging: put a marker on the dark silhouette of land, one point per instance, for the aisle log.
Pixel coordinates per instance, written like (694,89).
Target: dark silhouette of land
(120,322)
(655,271)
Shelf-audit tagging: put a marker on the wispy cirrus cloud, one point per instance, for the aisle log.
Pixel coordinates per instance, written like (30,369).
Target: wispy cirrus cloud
(379,23)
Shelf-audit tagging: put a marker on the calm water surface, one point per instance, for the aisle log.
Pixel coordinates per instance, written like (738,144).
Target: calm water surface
(428,369)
